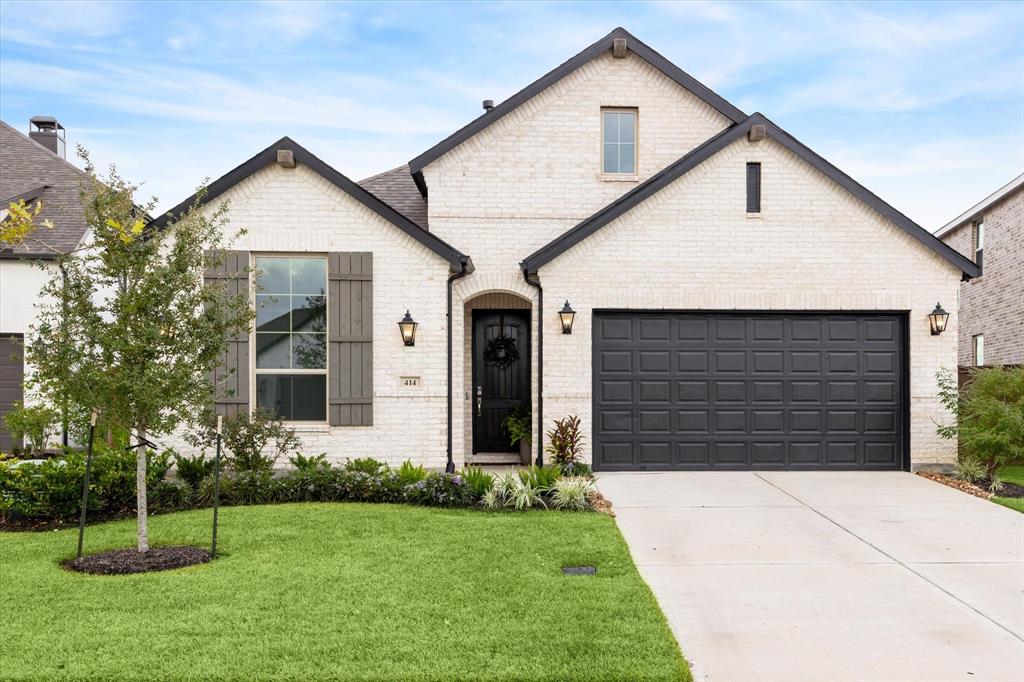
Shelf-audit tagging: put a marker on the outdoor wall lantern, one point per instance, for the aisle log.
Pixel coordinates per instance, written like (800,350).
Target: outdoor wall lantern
(408,328)
(937,319)
(566,314)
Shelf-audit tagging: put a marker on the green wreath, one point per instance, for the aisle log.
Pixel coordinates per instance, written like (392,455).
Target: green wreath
(500,352)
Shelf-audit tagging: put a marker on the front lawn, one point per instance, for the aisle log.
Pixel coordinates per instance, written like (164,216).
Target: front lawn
(1011,474)
(340,592)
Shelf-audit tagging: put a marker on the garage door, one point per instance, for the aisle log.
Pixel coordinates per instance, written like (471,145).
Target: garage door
(751,391)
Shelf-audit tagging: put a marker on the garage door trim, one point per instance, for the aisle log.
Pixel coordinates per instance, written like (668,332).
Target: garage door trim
(902,317)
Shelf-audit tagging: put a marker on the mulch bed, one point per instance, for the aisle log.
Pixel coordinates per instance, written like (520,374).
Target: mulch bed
(33,525)
(978,490)
(122,561)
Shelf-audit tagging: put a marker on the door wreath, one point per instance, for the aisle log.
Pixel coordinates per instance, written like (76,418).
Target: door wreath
(500,352)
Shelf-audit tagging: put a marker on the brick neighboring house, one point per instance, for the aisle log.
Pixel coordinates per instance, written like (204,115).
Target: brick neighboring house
(992,305)
(33,168)
(614,241)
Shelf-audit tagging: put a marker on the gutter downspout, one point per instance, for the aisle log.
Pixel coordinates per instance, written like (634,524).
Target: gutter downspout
(466,267)
(535,283)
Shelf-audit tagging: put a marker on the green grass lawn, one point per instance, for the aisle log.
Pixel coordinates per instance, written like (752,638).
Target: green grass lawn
(1011,474)
(340,592)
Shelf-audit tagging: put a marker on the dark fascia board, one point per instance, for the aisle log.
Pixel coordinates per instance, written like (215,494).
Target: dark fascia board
(603,45)
(677,169)
(268,156)
(11,254)
(28,196)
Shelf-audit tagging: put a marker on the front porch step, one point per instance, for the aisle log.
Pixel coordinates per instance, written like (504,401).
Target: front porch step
(494,458)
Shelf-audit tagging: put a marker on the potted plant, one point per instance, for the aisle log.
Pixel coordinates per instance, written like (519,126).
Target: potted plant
(519,425)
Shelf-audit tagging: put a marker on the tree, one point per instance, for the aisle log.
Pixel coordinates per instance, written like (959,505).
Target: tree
(130,327)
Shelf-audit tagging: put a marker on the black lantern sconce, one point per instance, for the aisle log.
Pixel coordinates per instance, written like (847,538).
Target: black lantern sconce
(408,329)
(566,315)
(937,319)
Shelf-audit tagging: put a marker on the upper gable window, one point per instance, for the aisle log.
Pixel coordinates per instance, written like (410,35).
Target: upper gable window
(618,132)
(979,241)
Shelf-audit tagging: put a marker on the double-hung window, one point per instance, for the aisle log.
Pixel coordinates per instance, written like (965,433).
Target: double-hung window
(291,337)
(618,134)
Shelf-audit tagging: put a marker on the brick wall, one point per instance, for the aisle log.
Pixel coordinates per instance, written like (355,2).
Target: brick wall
(692,246)
(295,210)
(993,304)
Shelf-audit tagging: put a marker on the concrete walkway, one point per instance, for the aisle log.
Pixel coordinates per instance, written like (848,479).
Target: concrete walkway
(828,576)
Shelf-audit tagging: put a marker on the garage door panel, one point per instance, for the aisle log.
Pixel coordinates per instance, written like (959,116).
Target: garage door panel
(761,390)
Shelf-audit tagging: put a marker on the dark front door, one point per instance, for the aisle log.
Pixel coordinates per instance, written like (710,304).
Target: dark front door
(749,391)
(501,374)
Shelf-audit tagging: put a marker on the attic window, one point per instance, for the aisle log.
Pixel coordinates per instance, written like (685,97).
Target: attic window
(618,135)
(753,188)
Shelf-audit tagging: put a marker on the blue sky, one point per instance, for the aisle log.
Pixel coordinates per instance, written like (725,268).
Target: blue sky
(921,102)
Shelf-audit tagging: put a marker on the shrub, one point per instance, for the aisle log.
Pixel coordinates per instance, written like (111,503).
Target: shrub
(312,485)
(572,493)
(410,473)
(440,490)
(525,494)
(542,478)
(254,441)
(312,463)
(989,413)
(366,465)
(52,489)
(192,470)
(565,441)
(112,479)
(253,487)
(170,495)
(478,480)
(969,470)
(578,469)
(33,425)
(204,493)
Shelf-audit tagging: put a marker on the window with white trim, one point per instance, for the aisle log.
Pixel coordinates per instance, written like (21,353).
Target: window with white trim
(979,349)
(618,136)
(979,240)
(291,337)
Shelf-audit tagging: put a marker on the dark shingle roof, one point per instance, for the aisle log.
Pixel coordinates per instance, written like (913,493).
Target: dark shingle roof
(30,171)
(397,189)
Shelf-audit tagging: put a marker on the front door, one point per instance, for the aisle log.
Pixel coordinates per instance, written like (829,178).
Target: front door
(501,375)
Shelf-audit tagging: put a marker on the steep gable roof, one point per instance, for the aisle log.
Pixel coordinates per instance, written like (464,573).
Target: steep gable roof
(983,205)
(268,156)
(30,171)
(692,159)
(603,45)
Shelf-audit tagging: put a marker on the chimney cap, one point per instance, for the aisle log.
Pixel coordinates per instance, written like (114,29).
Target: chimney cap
(488,104)
(45,123)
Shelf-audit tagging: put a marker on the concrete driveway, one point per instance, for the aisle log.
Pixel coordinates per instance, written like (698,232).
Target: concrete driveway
(828,576)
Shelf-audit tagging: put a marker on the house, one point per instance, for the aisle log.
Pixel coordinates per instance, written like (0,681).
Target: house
(33,168)
(614,241)
(992,304)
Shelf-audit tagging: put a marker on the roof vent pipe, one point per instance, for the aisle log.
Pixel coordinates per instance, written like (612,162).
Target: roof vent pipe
(488,104)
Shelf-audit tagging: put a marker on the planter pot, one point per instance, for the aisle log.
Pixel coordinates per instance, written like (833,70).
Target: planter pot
(524,453)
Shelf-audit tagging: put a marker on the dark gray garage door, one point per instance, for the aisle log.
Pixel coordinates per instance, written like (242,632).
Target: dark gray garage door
(748,391)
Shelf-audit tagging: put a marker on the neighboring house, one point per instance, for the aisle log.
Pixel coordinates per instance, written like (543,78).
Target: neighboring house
(32,168)
(739,302)
(992,304)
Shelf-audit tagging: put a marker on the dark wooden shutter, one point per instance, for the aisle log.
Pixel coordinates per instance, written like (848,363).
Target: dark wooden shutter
(12,374)
(231,377)
(753,188)
(350,333)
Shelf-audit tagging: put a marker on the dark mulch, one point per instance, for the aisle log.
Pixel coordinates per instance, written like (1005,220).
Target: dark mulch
(32,525)
(979,489)
(121,561)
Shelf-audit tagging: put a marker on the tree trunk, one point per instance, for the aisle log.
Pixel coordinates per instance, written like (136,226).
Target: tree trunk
(140,494)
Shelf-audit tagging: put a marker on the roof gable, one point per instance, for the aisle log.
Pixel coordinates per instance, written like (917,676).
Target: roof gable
(694,158)
(974,212)
(603,45)
(30,171)
(302,155)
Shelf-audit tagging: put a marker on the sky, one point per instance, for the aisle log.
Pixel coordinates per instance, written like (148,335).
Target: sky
(923,103)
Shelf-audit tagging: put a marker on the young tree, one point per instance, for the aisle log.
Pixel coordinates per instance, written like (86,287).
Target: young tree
(130,328)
